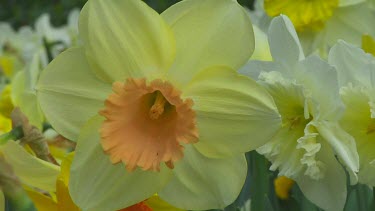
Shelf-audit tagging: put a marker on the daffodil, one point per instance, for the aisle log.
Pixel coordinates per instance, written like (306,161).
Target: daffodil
(283,185)
(167,112)
(31,170)
(368,44)
(23,93)
(320,23)
(357,81)
(22,44)
(61,37)
(61,200)
(262,49)
(6,104)
(306,93)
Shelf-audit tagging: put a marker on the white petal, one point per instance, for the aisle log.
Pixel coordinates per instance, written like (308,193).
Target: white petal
(350,23)
(343,145)
(284,43)
(350,62)
(329,193)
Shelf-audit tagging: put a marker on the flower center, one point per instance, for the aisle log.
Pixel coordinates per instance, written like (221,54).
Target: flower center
(305,14)
(146,124)
(157,108)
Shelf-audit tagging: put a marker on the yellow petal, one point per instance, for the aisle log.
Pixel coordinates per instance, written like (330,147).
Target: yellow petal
(125,38)
(208,33)
(5,124)
(64,201)
(158,204)
(65,168)
(368,44)
(41,201)
(7,64)
(6,104)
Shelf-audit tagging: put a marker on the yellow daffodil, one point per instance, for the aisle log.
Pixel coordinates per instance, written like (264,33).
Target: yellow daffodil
(7,64)
(357,80)
(283,185)
(62,200)
(320,23)
(167,112)
(6,104)
(306,93)
(5,124)
(368,44)
(23,92)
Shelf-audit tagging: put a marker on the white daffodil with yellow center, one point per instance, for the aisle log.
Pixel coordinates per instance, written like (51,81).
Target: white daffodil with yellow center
(167,112)
(306,93)
(303,13)
(320,23)
(356,70)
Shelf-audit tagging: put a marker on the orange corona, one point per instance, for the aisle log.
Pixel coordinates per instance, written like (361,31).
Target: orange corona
(147,124)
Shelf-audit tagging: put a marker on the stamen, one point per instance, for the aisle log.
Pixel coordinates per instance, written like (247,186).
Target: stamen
(157,108)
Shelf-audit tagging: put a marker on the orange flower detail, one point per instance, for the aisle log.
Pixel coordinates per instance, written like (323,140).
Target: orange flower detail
(137,207)
(147,124)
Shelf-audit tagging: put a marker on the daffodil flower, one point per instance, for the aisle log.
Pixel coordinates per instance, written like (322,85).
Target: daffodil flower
(61,199)
(23,93)
(167,112)
(63,36)
(283,185)
(262,49)
(356,70)
(31,170)
(368,44)
(321,23)
(306,93)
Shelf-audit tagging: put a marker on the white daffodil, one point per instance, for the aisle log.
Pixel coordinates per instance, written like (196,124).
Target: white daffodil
(262,49)
(356,70)
(23,43)
(321,23)
(61,37)
(306,93)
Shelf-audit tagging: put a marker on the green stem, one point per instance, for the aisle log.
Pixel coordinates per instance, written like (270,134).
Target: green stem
(15,134)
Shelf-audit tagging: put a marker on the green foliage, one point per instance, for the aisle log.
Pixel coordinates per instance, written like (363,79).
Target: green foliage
(20,12)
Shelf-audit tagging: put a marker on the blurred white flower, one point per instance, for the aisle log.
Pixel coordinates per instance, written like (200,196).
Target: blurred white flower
(356,71)
(306,93)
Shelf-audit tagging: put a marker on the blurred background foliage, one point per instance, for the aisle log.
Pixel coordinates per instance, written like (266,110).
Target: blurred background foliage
(25,12)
